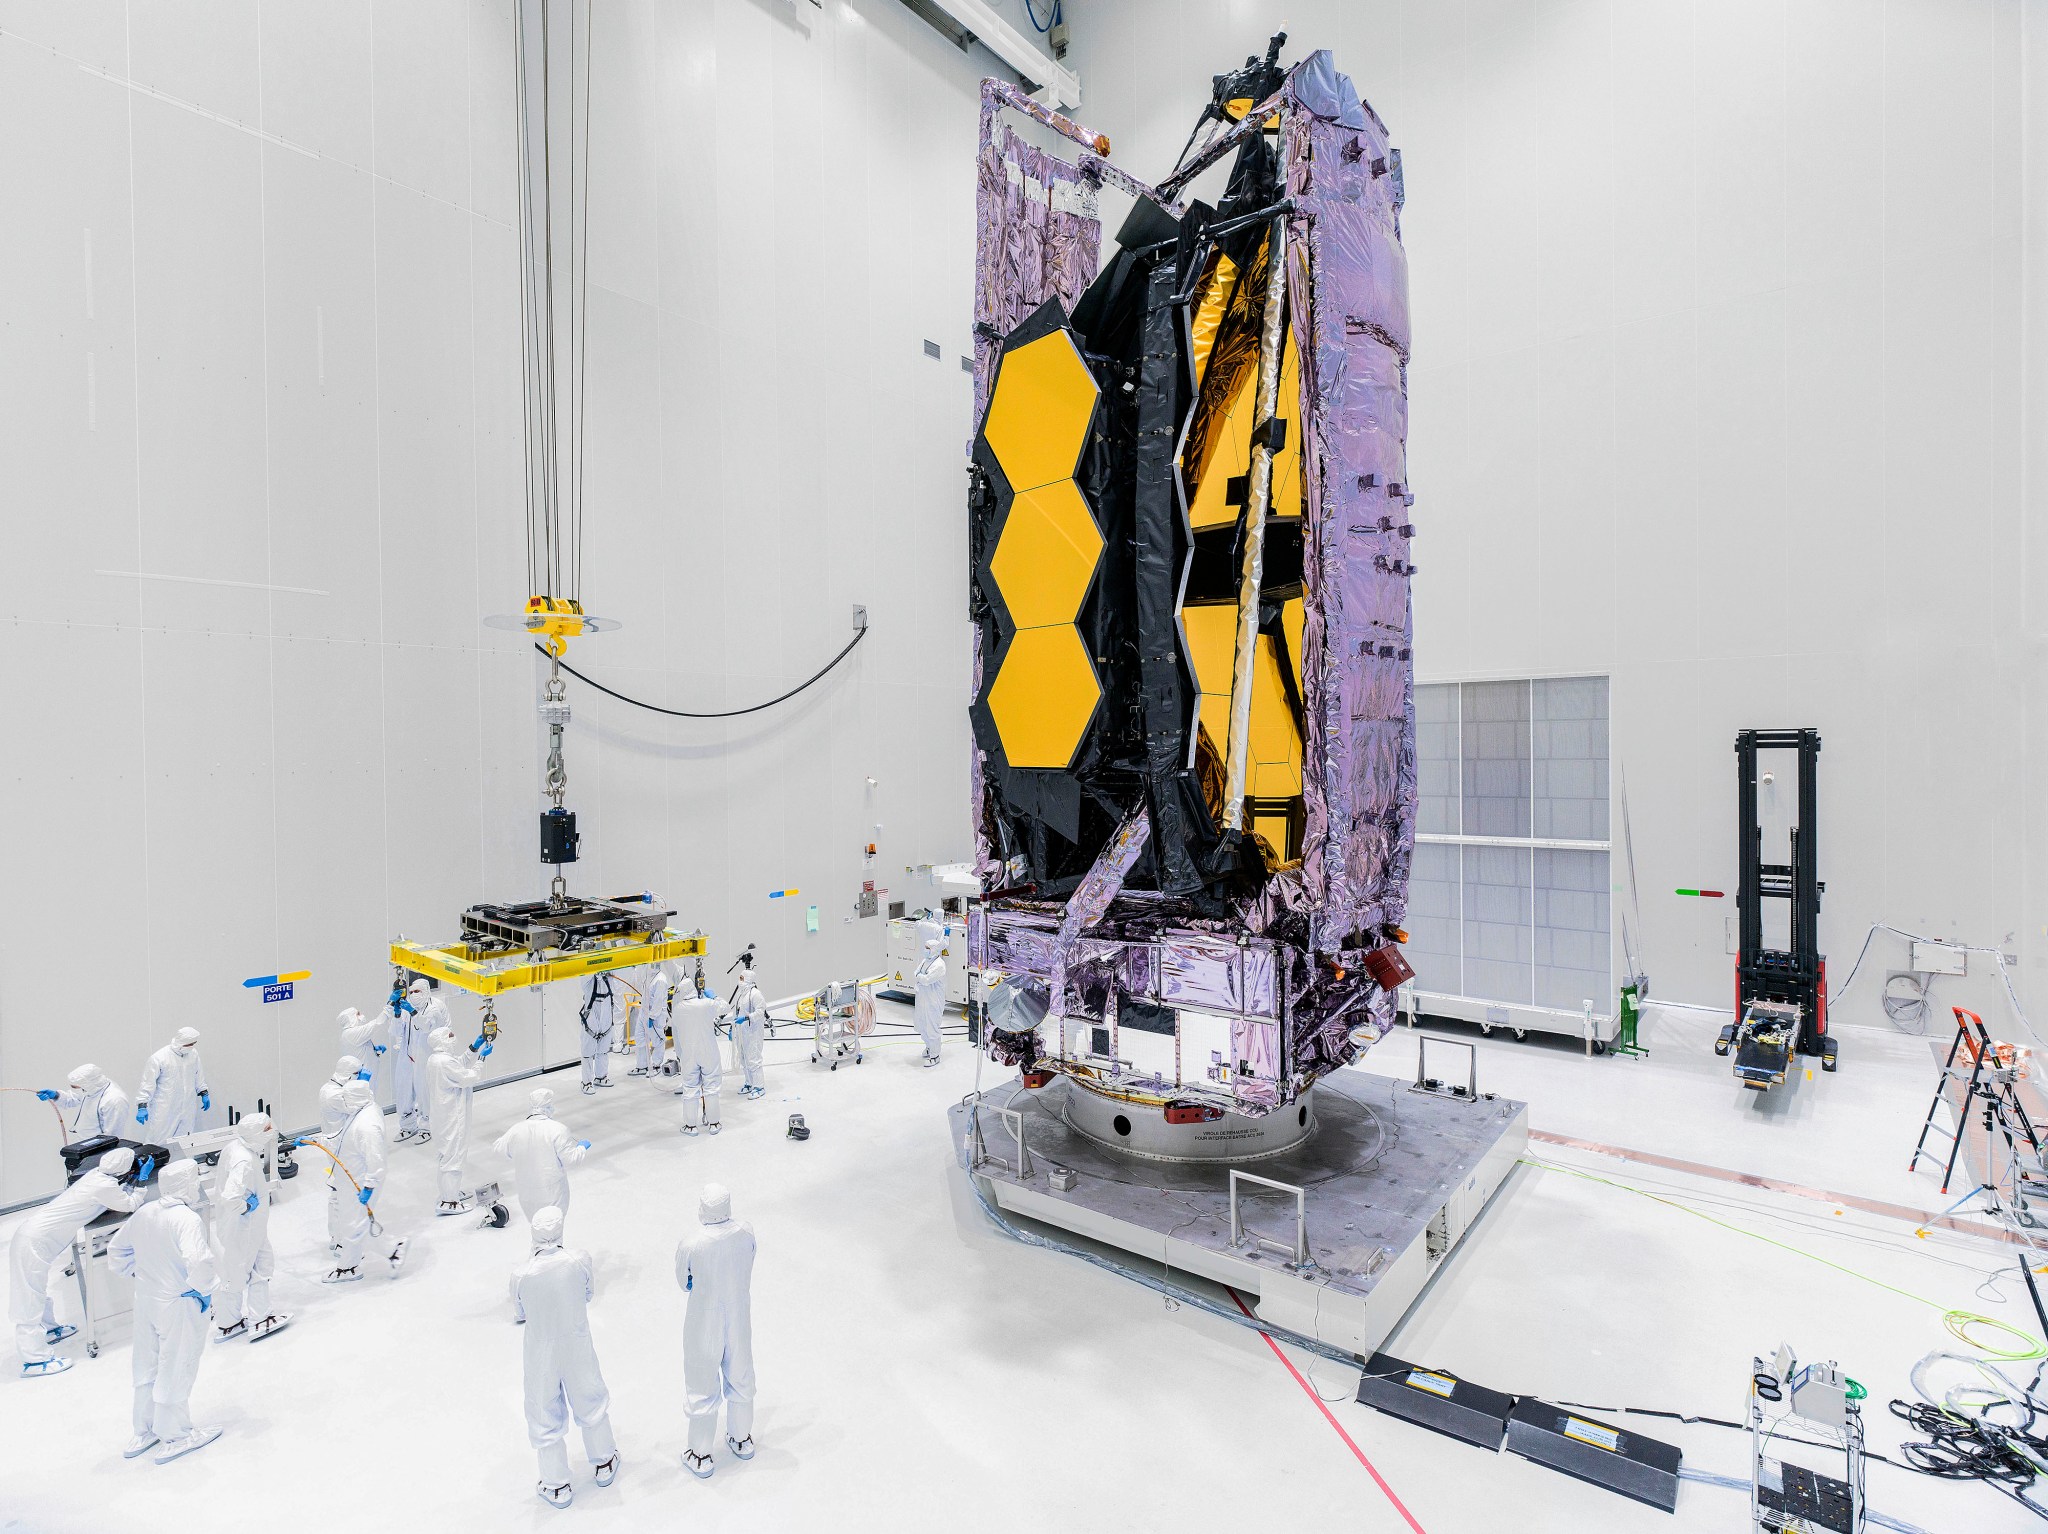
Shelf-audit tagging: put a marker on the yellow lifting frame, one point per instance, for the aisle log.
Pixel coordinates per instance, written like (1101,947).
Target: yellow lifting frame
(515,971)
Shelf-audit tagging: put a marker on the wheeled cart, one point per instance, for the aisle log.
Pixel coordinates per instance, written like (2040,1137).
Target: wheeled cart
(89,1265)
(841,1015)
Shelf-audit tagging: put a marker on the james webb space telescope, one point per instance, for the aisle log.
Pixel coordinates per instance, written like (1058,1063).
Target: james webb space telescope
(1194,771)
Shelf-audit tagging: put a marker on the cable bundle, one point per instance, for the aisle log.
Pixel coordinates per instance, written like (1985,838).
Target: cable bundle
(1969,1449)
(1991,1432)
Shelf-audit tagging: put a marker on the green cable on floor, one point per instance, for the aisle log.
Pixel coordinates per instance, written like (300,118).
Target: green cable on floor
(1958,1322)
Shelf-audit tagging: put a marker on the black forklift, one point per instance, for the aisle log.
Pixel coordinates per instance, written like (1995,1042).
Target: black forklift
(1781,995)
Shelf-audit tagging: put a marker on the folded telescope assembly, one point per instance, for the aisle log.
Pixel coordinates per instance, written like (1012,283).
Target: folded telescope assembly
(1194,779)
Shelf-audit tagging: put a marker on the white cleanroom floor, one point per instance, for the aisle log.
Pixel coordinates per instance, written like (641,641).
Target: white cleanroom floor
(918,1369)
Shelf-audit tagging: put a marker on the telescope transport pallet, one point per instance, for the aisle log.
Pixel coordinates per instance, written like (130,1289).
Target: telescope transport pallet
(1335,1238)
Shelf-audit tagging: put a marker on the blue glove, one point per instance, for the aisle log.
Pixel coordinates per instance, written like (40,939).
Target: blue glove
(378,1047)
(142,1113)
(584,1143)
(205,1304)
(249,1204)
(205,1101)
(364,1075)
(485,1052)
(46,1096)
(363,1197)
(148,1165)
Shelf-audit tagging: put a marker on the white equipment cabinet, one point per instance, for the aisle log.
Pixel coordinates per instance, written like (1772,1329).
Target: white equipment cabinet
(936,892)
(906,951)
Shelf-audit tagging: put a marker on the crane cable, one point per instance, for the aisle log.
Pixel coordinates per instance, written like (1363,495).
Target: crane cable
(554,555)
(555,561)
(730,713)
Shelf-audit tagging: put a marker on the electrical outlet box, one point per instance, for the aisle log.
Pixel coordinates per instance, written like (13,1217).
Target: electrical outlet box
(860,618)
(1940,959)
(1730,940)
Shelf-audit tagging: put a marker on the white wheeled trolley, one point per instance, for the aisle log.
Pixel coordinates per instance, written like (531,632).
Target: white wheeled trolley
(840,1015)
(102,1294)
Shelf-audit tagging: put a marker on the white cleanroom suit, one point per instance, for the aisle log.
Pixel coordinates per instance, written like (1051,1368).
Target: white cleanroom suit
(604,1005)
(451,1074)
(243,1261)
(93,1105)
(715,1266)
(695,1019)
(551,1293)
(930,1011)
(40,1239)
(368,1040)
(332,1113)
(542,1152)
(355,1168)
(173,1091)
(163,1246)
(364,1037)
(410,1032)
(649,1045)
(749,1031)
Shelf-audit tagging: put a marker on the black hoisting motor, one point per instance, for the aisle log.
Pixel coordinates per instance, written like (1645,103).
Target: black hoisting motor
(558,837)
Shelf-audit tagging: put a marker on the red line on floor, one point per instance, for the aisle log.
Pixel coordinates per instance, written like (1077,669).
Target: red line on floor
(1323,1407)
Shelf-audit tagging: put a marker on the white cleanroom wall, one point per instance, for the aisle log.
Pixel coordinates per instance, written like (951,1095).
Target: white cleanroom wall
(259,406)
(1726,385)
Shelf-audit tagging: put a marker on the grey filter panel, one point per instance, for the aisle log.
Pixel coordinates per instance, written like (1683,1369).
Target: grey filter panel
(1642,1468)
(1433,1399)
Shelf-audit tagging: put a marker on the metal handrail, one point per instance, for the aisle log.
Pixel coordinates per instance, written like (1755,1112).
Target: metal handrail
(980,1154)
(1237,1231)
(1422,1076)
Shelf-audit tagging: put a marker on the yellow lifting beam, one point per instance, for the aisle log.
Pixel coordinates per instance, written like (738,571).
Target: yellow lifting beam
(497,974)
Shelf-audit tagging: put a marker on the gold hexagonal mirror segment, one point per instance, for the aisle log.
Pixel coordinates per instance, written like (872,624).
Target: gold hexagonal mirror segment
(1038,415)
(1209,506)
(1274,749)
(1044,696)
(1046,555)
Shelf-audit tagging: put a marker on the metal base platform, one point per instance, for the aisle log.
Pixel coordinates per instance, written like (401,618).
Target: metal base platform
(1336,1236)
